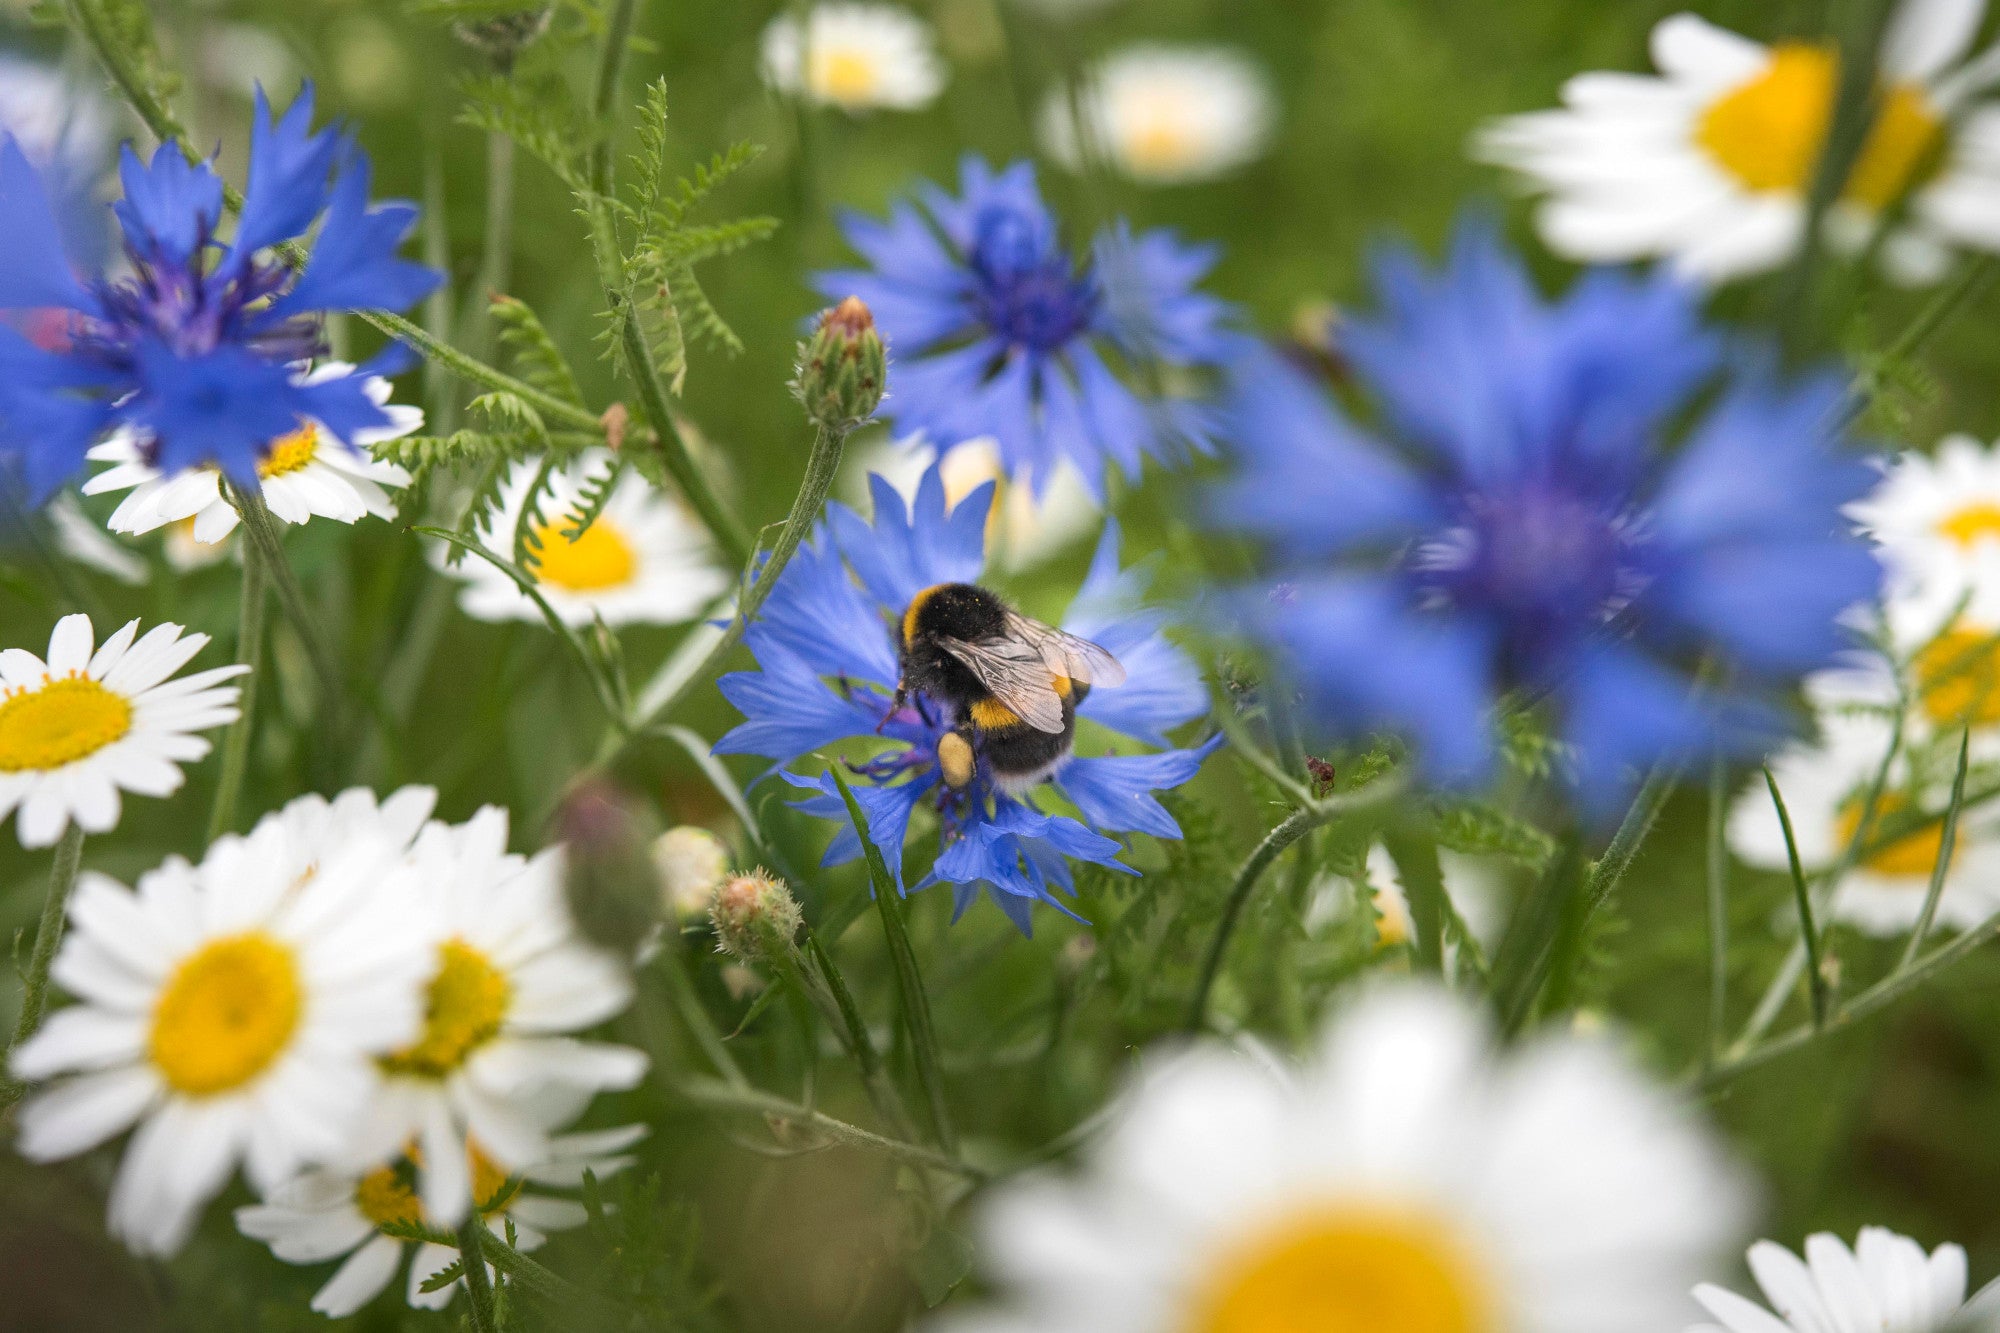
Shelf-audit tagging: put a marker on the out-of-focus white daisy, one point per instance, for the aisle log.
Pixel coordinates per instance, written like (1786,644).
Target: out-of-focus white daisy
(1469,882)
(305,474)
(1712,162)
(325,1214)
(854,56)
(509,977)
(230,1011)
(83,726)
(1825,784)
(1164,115)
(84,542)
(644,561)
(1022,529)
(58,124)
(1885,1282)
(308,829)
(1936,519)
(1413,1178)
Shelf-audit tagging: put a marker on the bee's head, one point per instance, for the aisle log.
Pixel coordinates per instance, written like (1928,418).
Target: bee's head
(961,611)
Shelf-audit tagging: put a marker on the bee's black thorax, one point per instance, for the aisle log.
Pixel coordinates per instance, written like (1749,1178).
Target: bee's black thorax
(947,610)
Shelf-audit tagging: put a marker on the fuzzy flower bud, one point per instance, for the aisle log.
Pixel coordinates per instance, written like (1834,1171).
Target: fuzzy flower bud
(692,863)
(753,915)
(608,873)
(842,368)
(502,37)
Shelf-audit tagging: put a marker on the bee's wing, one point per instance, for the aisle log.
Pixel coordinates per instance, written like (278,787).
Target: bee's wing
(1018,676)
(1066,654)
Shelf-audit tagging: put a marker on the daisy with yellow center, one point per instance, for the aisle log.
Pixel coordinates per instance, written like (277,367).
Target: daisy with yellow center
(858,57)
(1470,883)
(1825,784)
(509,979)
(324,1215)
(1411,1178)
(1936,521)
(1164,115)
(305,474)
(1711,163)
(1026,523)
(644,561)
(231,1013)
(1885,1282)
(81,727)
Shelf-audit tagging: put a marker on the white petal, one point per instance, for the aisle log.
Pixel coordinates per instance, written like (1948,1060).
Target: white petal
(360,1280)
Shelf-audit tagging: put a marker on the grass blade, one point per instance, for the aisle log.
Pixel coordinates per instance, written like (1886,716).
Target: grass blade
(1947,844)
(1808,933)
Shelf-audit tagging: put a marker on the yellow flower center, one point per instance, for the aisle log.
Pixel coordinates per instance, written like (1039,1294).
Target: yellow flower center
(1977,522)
(601,558)
(848,77)
(63,721)
(1768,132)
(289,453)
(1346,1270)
(1910,857)
(225,1014)
(1958,678)
(463,1009)
(387,1196)
(1392,921)
(1161,140)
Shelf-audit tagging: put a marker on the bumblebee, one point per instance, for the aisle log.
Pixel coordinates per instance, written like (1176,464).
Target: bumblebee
(1013,684)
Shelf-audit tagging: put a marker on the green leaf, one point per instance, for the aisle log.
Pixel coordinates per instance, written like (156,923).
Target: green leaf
(942,1262)
(1479,829)
(531,351)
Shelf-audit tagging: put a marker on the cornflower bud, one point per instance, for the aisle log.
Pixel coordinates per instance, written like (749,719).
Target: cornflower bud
(608,873)
(503,37)
(755,916)
(692,863)
(842,368)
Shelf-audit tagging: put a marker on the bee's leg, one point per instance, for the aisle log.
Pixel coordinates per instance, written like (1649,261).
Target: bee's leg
(902,693)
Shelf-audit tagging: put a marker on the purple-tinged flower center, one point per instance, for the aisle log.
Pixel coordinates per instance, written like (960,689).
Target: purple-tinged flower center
(920,724)
(1030,292)
(1545,563)
(195,307)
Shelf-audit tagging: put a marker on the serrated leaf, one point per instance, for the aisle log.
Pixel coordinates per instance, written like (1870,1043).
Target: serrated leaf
(1479,829)
(533,353)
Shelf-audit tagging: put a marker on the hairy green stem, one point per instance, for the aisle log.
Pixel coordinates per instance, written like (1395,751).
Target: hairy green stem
(472,1265)
(610,69)
(751,1101)
(551,408)
(722,524)
(1299,823)
(48,934)
(250,652)
(758,580)
(262,531)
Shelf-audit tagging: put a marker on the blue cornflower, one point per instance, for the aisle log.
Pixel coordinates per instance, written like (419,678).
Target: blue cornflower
(826,648)
(1530,531)
(999,331)
(198,349)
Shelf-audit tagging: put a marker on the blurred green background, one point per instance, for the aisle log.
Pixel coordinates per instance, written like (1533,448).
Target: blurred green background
(1893,1123)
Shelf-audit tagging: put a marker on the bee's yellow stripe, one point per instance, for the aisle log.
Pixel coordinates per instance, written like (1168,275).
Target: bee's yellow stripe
(915,607)
(1062,686)
(992,715)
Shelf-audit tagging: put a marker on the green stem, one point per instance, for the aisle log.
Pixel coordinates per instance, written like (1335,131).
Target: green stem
(1947,845)
(1977,276)
(1299,823)
(751,1101)
(1245,747)
(48,934)
(552,408)
(118,63)
(250,652)
(722,525)
(1718,908)
(263,533)
(821,469)
(1802,897)
(472,1263)
(694,1017)
(610,68)
(1416,858)
(874,1076)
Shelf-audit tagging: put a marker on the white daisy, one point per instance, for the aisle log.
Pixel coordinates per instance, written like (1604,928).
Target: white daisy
(1886,1283)
(1937,517)
(84,542)
(1412,1178)
(1164,115)
(1711,162)
(854,56)
(1825,784)
(510,976)
(644,561)
(231,1012)
(314,828)
(326,1214)
(306,474)
(1022,528)
(79,728)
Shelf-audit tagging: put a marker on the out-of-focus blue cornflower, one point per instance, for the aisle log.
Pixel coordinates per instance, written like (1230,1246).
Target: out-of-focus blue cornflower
(1520,524)
(826,645)
(997,330)
(199,347)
